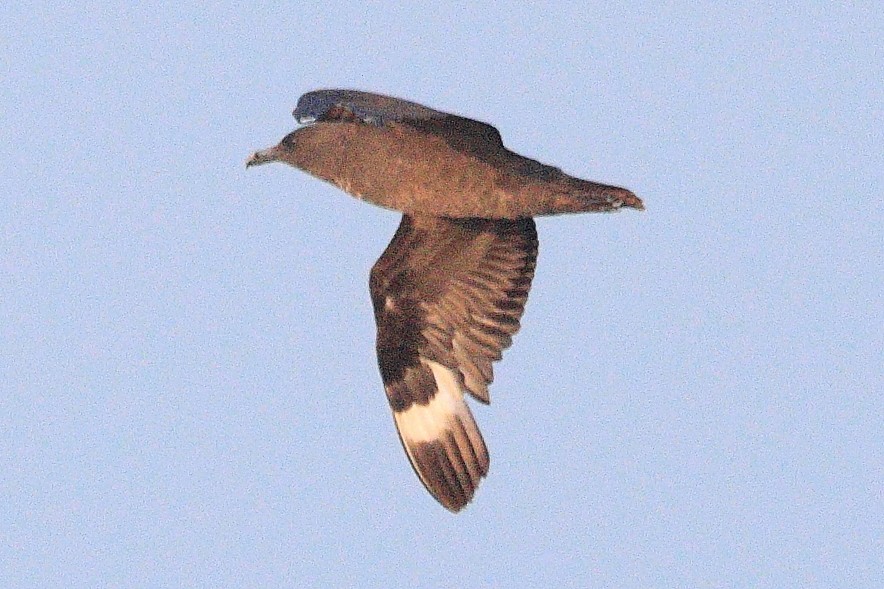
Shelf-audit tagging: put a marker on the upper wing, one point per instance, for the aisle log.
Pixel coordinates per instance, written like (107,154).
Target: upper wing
(461,133)
(370,108)
(448,295)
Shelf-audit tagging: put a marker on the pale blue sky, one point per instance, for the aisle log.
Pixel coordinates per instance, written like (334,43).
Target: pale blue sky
(189,394)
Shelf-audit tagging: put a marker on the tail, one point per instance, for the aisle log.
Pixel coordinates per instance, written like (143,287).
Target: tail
(594,197)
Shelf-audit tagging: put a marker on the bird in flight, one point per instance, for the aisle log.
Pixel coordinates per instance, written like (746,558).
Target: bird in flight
(449,290)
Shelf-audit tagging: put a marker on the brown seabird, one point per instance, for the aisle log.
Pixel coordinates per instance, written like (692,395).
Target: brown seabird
(450,289)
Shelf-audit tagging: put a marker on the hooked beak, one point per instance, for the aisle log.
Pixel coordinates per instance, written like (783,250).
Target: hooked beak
(262,157)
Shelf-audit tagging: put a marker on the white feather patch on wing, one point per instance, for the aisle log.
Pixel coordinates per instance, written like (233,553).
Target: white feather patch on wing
(427,423)
(443,442)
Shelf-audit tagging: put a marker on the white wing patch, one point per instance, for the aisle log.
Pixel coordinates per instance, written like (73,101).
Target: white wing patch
(427,423)
(443,441)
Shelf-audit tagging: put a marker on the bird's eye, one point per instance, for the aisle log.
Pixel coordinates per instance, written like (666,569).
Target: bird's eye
(289,140)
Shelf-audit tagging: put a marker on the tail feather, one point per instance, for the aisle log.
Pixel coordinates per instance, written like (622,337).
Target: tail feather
(597,197)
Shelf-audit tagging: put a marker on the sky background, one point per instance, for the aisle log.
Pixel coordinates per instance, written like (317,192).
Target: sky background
(189,394)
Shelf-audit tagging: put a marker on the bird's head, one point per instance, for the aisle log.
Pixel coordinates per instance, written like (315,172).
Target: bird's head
(280,152)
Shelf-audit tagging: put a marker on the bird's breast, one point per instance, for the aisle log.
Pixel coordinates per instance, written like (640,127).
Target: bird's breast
(409,171)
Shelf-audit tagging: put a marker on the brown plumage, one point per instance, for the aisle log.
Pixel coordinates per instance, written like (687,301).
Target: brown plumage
(449,291)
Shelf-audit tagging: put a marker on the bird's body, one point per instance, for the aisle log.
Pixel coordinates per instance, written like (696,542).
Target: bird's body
(435,164)
(450,289)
